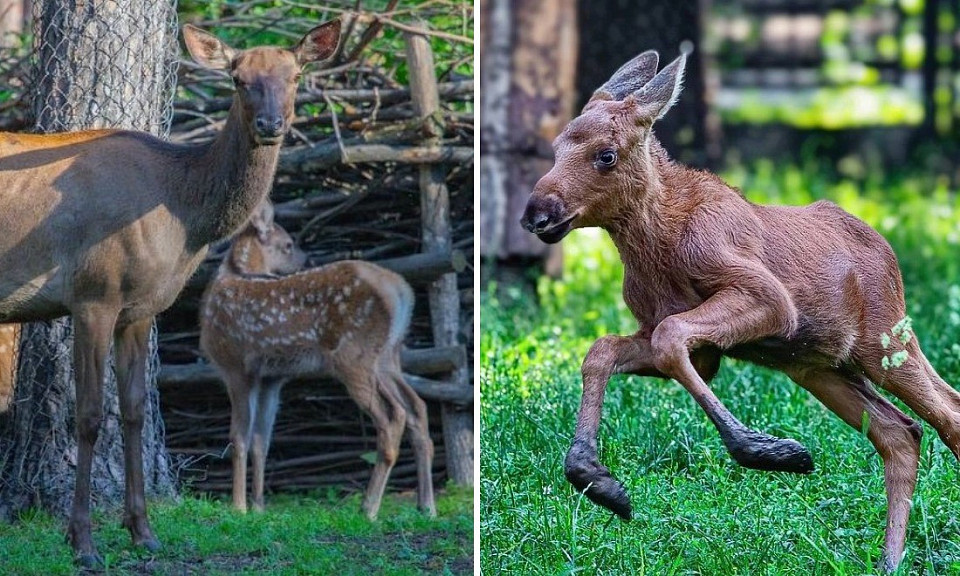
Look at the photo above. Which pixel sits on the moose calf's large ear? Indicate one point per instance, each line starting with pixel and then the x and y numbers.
pixel 319 43
pixel 658 95
pixel 206 49
pixel 629 78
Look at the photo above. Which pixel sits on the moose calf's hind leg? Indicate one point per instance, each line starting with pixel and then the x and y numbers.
pixel 895 436
pixel 919 386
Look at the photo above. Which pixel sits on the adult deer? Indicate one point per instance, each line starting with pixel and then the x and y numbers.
pixel 349 317
pixel 107 225
pixel 805 290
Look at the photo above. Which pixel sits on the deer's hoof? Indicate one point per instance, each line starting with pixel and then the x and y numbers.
pixel 91 561
pixel 587 475
pixel 152 545
pixel 764 452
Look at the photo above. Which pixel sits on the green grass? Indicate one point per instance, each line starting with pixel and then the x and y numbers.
pixel 295 535
pixel 695 511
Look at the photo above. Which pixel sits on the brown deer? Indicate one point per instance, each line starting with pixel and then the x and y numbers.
pixel 107 225
pixel 9 344
pixel 805 290
pixel 349 317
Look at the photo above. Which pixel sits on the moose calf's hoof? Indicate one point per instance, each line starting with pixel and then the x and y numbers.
pixel 585 473
pixel 764 452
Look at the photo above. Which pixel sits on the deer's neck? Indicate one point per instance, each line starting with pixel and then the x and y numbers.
pixel 227 180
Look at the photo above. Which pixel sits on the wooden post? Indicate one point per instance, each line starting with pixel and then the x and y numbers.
pixel 435 217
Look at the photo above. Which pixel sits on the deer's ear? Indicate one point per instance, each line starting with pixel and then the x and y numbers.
pixel 319 43
pixel 660 94
pixel 629 78
pixel 208 50
pixel 262 220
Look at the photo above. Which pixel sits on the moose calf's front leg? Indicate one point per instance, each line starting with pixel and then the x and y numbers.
pixel 608 355
pixel 729 318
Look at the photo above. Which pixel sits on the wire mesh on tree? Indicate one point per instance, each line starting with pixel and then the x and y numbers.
pixel 98 64
pixel 116 69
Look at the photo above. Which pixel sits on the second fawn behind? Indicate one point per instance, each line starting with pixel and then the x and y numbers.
pixel 348 318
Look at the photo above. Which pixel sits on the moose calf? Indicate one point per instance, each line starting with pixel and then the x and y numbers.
pixel 805 290
pixel 349 318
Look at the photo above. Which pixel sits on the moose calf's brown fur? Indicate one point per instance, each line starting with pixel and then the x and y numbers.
pixel 107 225
pixel 805 290
pixel 349 317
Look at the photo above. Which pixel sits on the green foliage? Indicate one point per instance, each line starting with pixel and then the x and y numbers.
pixel 296 535
pixel 696 512
pixel 832 108
pixel 280 22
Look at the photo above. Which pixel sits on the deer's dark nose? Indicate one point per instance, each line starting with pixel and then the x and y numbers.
pixel 269 125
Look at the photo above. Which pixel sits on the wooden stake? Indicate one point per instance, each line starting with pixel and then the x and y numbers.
pixel 435 219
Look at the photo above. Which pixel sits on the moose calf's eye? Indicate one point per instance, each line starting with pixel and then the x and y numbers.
pixel 606 158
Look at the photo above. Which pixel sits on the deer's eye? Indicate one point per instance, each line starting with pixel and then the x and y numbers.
pixel 606 159
pixel 288 247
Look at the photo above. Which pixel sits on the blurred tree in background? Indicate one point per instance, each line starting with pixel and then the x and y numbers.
pixel 614 31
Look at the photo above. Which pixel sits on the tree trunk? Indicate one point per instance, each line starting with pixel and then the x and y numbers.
pixel 100 64
pixel 615 31
pixel 929 68
pixel 528 66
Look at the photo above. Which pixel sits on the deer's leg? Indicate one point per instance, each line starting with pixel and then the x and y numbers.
pixel 131 348
pixel 921 388
pixel 92 328
pixel 611 355
pixel 242 393
pixel 267 406
pixel 419 429
pixel 725 319
pixel 389 418
pixel 895 436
